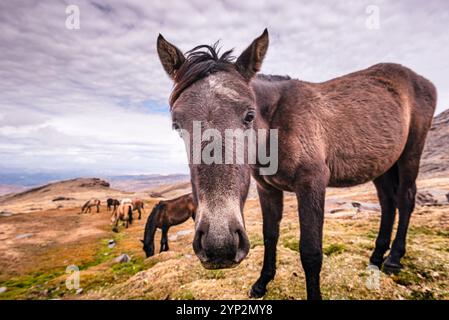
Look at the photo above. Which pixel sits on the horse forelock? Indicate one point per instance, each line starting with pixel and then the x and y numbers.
pixel 200 62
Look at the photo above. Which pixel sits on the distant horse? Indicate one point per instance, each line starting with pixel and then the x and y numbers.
pixel 112 204
pixel 370 125
pixel 89 204
pixel 123 213
pixel 139 206
pixel 164 215
pixel 126 200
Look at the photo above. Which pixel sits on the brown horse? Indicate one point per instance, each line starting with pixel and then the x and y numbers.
pixel 89 204
pixel 138 205
pixel 370 125
pixel 123 213
pixel 164 215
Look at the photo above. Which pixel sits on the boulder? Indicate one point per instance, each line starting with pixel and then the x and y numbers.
pixel 122 258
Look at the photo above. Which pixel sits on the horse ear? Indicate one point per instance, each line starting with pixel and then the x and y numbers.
pixel 171 57
pixel 250 61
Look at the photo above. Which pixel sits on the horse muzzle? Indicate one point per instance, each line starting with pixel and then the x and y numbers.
pixel 219 248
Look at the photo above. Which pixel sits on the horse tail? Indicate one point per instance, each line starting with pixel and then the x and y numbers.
pixel 130 214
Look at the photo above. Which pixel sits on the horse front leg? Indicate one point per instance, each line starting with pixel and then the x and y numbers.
pixel 271 201
pixel 164 239
pixel 311 196
pixel 115 223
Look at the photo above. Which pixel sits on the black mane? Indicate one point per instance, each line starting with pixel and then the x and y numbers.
pixel 272 77
pixel 200 62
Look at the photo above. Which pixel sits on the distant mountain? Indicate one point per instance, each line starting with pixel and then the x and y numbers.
pixel 59 188
pixel 13 182
pixel 137 183
pixel 435 160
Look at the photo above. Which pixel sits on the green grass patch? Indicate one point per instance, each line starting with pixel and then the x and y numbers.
pixel 19 287
pixel 334 248
pixel 184 295
pixel 129 268
pixel 213 274
pixel 291 243
pixel 256 240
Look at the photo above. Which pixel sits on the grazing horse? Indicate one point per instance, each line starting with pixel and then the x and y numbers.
pixel 369 125
pixel 112 204
pixel 138 205
pixel 164 215
pixel 123 213
pixel 89 204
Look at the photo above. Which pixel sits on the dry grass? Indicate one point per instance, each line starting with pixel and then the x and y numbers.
pixel 40 273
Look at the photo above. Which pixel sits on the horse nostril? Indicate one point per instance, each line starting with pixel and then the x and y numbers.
pixel 242 245
pixel 198 245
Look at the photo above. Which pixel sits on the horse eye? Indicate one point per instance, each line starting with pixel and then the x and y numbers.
pixel 249 116
pixel 176 126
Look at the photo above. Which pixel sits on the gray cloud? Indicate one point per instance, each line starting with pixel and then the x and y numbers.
pixel 95 98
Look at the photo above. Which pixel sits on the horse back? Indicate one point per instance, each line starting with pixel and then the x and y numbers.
pixel 358 124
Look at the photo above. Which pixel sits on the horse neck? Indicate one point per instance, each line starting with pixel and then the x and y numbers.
pixel 150 227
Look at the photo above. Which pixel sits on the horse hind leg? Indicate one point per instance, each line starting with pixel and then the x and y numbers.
pixel 408 167
pixel 386 186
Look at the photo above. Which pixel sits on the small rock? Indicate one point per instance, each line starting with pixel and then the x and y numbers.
pixel 3 289
pixel 156 195
pixel 356 204
pixel 183 232
pixel 111 244
pixel 79 291
pixel 122 258
pixel 337 210
pixel 62 199
pixel 6 213
pixel 425 198
pixel 173 237
pixel 24 236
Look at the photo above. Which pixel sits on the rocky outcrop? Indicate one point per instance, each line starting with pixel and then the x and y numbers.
pixel 435 159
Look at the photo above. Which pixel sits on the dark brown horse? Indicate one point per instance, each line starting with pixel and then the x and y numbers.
pixel 112 204
pixel 164 215
pixel 370 125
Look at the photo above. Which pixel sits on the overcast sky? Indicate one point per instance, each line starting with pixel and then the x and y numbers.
pixel 94 99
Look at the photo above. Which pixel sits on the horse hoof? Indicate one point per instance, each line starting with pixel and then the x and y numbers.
pixel 390 267
pixel 376 262
pixel 256 292
pixel 115 229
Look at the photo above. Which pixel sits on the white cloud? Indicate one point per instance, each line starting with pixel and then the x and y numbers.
pixel 95 98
